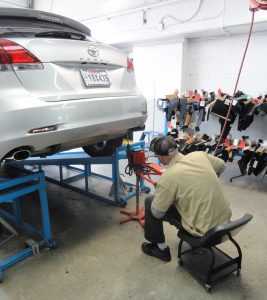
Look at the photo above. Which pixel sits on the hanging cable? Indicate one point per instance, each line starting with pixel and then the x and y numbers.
pixel 180 21
pixel 219 14
pixel 131 11
pixel 237 81
pixel 153 27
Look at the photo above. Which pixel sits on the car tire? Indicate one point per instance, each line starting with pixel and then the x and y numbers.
pixel 105 148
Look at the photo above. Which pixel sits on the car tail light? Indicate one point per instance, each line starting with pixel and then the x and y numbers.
pixel 130 65
pixel 14 54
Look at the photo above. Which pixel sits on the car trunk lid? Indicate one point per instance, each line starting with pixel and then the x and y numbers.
pixel 75 69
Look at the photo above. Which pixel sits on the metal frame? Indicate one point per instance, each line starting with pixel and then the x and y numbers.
pixel 245 174
pixel 139 214
pixel 12 191
pixel 212 270
pixel 264 172
pixel 74 160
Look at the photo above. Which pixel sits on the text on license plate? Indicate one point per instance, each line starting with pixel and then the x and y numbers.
pixel 95 78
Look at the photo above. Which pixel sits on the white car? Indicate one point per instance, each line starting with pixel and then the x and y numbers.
pixel 60 89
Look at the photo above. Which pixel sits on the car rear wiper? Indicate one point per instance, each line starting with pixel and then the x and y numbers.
pixel 61 34
pixel 7 32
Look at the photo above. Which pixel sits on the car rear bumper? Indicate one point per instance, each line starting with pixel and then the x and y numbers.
pixel 77 122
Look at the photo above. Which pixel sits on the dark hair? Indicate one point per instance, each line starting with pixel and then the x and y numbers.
pixel 163 145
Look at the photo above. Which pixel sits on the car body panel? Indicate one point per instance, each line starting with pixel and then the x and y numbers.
pixel 67 50
pixel 61 79
pixel 55 94
pixel 79 122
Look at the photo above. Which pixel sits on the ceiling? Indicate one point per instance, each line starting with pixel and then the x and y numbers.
pixel 137 21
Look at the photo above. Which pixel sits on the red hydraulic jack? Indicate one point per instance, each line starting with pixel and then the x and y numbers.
pixel 139 214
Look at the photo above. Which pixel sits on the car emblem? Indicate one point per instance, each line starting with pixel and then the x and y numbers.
pixel 93 51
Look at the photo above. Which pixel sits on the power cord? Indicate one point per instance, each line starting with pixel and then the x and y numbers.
pixel 237 81
pixel 180 21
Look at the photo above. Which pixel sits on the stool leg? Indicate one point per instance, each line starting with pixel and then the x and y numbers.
pixel 180 248
pixel 180 262
pixel 211 266
pixel 239 252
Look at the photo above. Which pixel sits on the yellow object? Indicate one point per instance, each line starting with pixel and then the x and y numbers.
pixel 192 185
pixel 171 97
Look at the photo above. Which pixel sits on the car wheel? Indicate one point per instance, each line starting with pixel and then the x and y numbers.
pixel 105 148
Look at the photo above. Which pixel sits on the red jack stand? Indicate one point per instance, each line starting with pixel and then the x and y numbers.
pixel 139 214
pixel 146 170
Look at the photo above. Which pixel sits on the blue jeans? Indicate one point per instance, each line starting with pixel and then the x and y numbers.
pixel 154 227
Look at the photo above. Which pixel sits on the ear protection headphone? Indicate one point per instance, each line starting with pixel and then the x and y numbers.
pixel 163 145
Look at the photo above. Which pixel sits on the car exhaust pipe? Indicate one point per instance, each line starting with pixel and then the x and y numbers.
pixel 19 155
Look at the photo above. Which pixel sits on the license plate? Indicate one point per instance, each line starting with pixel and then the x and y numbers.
pixel 95 78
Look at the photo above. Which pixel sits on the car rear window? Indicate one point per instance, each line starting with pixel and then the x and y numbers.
pixel 8 24
pixel 34 21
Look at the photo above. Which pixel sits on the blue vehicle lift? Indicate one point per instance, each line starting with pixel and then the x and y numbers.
pixel 12 192
pixel 80 165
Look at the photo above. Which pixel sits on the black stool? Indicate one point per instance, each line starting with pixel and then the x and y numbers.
pixel 204 260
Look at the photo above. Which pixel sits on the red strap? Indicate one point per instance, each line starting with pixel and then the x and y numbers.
pixel 241 144
pixel 155 168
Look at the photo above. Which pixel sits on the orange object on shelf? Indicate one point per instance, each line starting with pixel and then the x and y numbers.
pixel 241 144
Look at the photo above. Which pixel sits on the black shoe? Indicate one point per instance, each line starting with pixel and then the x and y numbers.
pixel 197 129
pixel 242 167
pixel 250 169
pixel 153 250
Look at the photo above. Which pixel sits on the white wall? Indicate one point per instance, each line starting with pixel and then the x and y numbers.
pixel 158 73
pixel 214 63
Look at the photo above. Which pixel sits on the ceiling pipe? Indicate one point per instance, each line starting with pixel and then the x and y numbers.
pixel 130 11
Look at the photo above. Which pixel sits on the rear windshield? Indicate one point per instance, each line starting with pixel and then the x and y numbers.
pixel 32 27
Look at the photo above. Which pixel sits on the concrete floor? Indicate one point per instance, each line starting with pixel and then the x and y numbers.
pixel 99 259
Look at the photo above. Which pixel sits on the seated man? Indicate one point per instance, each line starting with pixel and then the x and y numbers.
pixel 188 194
